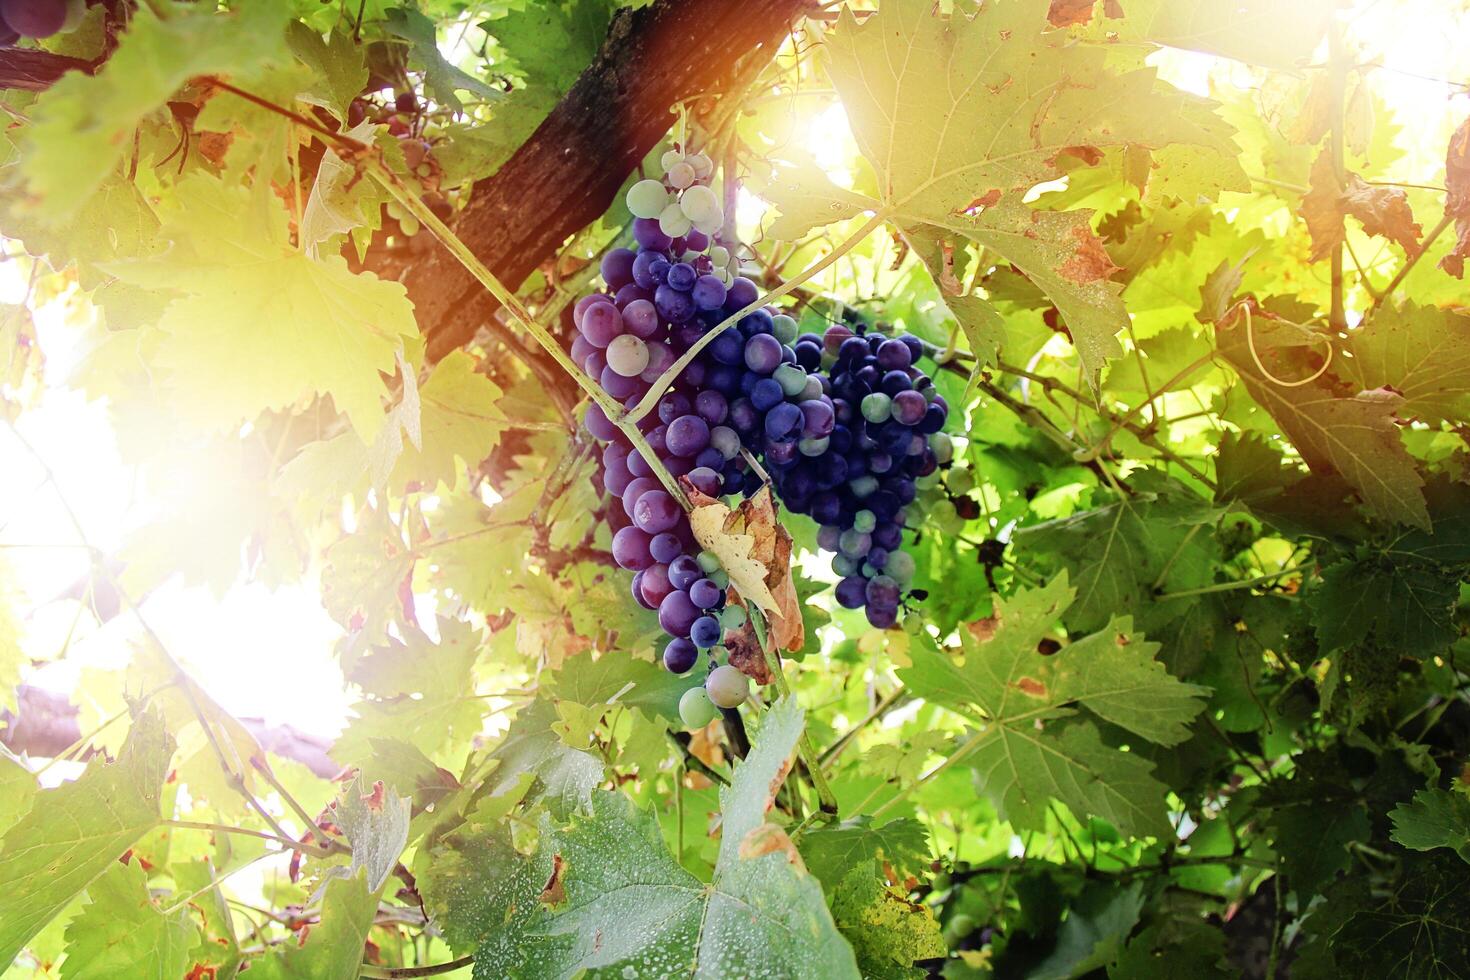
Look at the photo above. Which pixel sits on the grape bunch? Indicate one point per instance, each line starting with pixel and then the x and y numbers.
pixel 38 18
pixel 887 434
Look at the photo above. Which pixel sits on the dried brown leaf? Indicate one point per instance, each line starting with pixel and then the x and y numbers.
pixel 1322 208
pixel 1070 13
pixel 1090 261
pixel 1384 211
pixel 1457 201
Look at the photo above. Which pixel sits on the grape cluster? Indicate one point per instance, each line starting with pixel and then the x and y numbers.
pixel 38 18
pixel 843 422
pixel 887 433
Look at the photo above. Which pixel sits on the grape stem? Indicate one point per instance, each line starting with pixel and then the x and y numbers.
pixel 434 969
pixel 518 312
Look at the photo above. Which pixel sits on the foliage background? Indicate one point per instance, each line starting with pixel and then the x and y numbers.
pixel 1183 700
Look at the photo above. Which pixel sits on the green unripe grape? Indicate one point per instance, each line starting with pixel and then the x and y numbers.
pixel 900 567
pixel 719 256
pixel 945 518
pixel 941 443
pixel 784 327
pixel 926 482
pixel 696 709
pixel 814 447
pixel 791 378
pixel 733 617
pixel 720 577
pixel 727 687
pixel 712 224
pixel 877 407
pixel 669 159
pixel 960 481
pixel 709 562
pixel 647 198
pixel 409 225
pixel 959 927
pixel 700 203
pixel 913 624
pixel 844 566
pixel 868 571
pixel 681 175
pixel 673 222
pixel 863 486
pixel 702 164
pixel 813 389
pixel 864 520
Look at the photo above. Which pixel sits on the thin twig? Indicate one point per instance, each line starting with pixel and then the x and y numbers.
pixel 395 972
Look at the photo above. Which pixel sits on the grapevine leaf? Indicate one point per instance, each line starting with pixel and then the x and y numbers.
pixel 1405 604
pixel 888 932
pixel 460 423
pixel 311 327
pixel 336 62
pixel 1093 933
pixel 1457 201
pixel 1261 32
pixel 17 789
pixel 121 931
pixel 831 852
pixel 1021 759
pixel 334 947
pixel 1421 353
pixel 1354 436
pixel 217 947
pixel 76 831
pixel 482 894
pixel 375 820
pixel 743 804
pixel 1250 469
pixel 82 126
pixel 1435 818
pixel 714 527
pixel 1383 211
pixel 1313 842
pixel 565 777
pixel 441 78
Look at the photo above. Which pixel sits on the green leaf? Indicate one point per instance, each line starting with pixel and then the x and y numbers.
pixel 1421 353
pixel 1404 604
pixel 1116 554
pixel 223 359
pixel 1016 98
pixel 442 79
pixel 1093 933
pixel 334 947
pixel 1250 469
pixel 1024 754
pixel 460 424
pixel 565 777
pixel 82 126
pixel 743 804
pixel 1313 842
pixel 484 895
pixel 121 932
pixel 375 820
pixel 1435 818
pixel 76 831
pixel 1261 32
pixel 17 789
pixel 1356 436
pixel 831 852
pixel 336 61
pixel 887 931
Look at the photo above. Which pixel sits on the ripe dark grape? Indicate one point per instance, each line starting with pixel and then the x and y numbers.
pixel 680 655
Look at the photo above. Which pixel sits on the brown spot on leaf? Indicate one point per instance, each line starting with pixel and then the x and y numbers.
pixel 1031 686
pixel 745 653
pixel 770 839
pixel 374 798
pixel 554 891
pixel 983 630
pixel 1090 261
pixel 986 200
pixel 1090 155
pixel 1047 647
pixel 1070 13
pixel 1122 639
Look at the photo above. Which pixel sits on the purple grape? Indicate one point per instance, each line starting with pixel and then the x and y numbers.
pixel 742 293
pixel 934 418
pixel 888 536
pixel 894 355
pixel 915 346
pixel 682 277
pixel 640 318
pixel 601 323
pixel 655 512
pixel 705 631
pixel 637 465
pixel 782 421
pixel 674 306
pixel 834 336
pixel 881 618
pixel 678 465
pixel 643 268
pixel 882 592
pixel 618 386
pixel 743 415
pixel 695 240
pixel 680 655
pixel 637 487
pixel 665 547
pixel 728 347
pixel 780 454
pixel 648 235
pixel 673 405
pixel 677 613
pixel 688 434
pixel 630 549
pixel 818 419
pixel 851 592
pixel 708 293
pixel 660 268
pixel 660 359
pixel 895 381
pixel 600 425
pixel 763 354
pixel 705 480
pixel 909 407
pixel 684 571
pixel 33 18
pixel 854 543
pixel 616 477
pixel 808 355
pixel 706 594
pixel 766 394
pixel 581 347
pixel 655 585
pixel 853 350
pixel 586 303
pixel 712 406
pixel 637 588
pixel 617 267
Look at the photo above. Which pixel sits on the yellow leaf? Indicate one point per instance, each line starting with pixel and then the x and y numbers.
pixel 711 523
